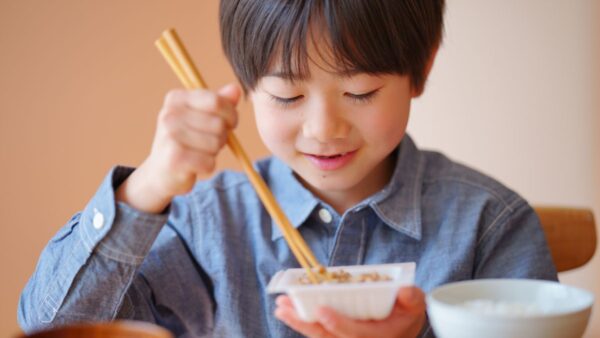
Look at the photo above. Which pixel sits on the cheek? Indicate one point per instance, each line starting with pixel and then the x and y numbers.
pixel 388 128
pixel 275 130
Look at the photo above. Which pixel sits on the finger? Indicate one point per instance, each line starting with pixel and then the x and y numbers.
pixel 410 299
pixel 342 326
pixel 212 103
pixel 284 300
pixel 177 130
pixel 408 314
pixel 290 318
pixel 395 325
pixel 187 104
pixel 231 92
pixel 175 97
pixel 186 160
pixel 204 122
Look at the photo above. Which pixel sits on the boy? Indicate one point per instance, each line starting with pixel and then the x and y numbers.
pixel 331 85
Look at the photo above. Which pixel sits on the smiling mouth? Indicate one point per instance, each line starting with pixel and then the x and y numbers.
pixel 331 156
pixel 331 162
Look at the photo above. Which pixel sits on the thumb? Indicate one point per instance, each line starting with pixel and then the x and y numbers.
pixel 231 92
pixel 411 299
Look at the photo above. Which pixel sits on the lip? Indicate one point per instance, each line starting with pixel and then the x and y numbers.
pixel 331 163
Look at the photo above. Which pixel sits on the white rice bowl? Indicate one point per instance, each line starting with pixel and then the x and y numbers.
pixel 500 308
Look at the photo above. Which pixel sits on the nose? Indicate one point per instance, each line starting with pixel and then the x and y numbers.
pixel 324 122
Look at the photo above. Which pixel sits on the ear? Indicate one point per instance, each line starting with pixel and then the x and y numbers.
pixel 416 92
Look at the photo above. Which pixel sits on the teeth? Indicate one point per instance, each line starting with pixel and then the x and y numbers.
pixel 332 156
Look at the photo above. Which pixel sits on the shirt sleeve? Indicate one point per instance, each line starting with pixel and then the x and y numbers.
pixel 84 272
pixel 513 245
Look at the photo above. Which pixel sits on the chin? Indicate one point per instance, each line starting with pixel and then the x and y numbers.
pixel 330 181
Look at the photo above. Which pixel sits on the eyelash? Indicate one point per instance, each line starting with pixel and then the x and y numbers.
pixel 358 98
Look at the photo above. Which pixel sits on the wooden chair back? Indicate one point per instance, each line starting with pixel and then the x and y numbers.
pixel 116 329
pixel 571 235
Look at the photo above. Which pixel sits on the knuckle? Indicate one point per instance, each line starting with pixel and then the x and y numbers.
pixel 213 144
pixel 168 116
pixel 210 101
pixel 234 118
pixel 174 96
pixel 170 126
pixel 167 119
pixel 219 125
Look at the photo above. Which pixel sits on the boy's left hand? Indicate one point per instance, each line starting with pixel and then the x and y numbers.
pixel 406 319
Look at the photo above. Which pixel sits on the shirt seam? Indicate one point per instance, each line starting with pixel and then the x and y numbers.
pixel 107 251
pixel 417 193
pixel 135 214
pixel 338 236
pixel 493 226
pixel 496 194
pixel 361 251
pixel 117 255
pixel 403 229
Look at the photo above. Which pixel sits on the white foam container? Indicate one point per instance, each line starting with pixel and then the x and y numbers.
pixel 367 300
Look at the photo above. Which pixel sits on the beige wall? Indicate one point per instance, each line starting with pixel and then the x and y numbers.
pixel 515 93
pixel 81 84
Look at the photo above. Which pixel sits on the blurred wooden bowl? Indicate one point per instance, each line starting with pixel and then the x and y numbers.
pixel 116 329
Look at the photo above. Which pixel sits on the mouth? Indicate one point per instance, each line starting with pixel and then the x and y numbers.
pixel 331 161
pixel 329 156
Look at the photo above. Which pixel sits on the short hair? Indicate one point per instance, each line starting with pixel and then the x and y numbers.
pixel 371 36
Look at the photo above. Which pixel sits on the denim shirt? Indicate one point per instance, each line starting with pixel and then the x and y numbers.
pixel 200 269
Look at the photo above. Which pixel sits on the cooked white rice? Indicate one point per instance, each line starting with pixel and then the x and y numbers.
pixel 510 308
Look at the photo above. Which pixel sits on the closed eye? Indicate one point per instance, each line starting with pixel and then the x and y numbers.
pixel 359 98
pixel 363 98
pixel 284 101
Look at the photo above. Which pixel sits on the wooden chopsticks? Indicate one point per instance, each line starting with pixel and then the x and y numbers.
pixel 178 58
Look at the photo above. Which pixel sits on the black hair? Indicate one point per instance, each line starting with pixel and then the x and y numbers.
pixel 372 36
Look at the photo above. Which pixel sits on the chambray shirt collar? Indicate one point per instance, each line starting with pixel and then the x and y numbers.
pixel 296 201
pixel 398 204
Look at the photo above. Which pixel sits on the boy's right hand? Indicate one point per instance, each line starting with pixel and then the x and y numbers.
pixel 191 130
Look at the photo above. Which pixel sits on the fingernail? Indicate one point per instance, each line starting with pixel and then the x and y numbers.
pixel 410 296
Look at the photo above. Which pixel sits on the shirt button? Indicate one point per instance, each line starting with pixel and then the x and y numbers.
pixel 98 220
pixel 325 215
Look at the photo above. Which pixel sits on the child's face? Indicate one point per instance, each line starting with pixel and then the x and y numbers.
pixel 359 119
